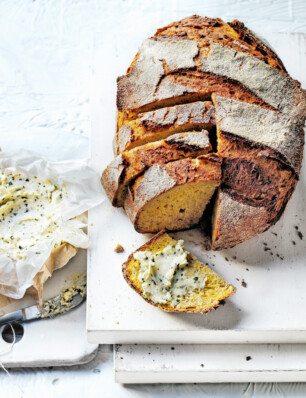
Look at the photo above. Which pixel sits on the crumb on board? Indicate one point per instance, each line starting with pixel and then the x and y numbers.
pixel 248 358
pixel 243 283
pixel 119 248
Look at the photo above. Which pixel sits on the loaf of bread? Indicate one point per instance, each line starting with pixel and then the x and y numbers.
pixel 191 287
pixel 203 73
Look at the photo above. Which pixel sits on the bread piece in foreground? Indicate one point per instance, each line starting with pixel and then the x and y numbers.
pixel 173 196
pixel 129 165
pixel 170 278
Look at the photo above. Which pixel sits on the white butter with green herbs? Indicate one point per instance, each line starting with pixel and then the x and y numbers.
pixel 40 205
pixel 30 213
pixel 163 275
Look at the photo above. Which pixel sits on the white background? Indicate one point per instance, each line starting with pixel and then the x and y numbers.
pixel 46 57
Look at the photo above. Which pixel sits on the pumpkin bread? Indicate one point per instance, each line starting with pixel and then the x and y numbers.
pixel 196 300
pixel 203 73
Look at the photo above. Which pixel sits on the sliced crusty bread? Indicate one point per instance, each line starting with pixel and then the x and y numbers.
pixel 159 124
pixel 173 196
pixel 127 166
pixel 259 116
pixel 203 300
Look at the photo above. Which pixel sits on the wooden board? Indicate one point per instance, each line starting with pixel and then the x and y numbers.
pixel 271 308
pixel 210 363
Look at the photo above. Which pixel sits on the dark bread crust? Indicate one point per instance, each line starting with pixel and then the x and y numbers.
pixel 247 36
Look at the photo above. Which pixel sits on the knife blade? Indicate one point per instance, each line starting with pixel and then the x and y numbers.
pixel 69 298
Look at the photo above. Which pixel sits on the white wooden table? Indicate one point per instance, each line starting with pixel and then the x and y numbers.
pixel 45 62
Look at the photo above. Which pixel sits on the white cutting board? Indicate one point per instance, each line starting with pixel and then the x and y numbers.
pixel 58 341
pixel 271 308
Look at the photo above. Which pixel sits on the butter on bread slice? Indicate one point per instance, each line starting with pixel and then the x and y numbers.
pixel 202 300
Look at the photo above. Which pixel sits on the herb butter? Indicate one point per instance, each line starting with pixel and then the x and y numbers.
pixel 31 216
pixel 166 277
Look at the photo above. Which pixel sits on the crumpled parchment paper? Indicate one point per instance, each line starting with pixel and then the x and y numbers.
pixel 84 192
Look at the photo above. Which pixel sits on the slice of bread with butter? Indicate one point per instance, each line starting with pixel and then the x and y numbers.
pixel 170 278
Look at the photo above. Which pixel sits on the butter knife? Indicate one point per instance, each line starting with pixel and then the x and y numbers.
pixel 69 298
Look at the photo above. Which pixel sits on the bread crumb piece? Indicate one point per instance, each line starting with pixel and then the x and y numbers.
pixel 243 283
pixel 119 248
pixel 248 358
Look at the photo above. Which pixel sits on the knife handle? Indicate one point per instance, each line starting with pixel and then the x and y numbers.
pixel 16 316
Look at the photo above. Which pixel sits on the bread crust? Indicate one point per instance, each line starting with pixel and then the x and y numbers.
pixel 237 221
pixel 264 127
pixel 233 34
pixel 127 166
pixel 196 35
pixel 266 82
pixel 254 174
pixel 126 275
pixel 150 126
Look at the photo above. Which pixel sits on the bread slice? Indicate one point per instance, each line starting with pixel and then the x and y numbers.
pixel 127 166
pixel 160 124
pixel 173 196
pixel 197 300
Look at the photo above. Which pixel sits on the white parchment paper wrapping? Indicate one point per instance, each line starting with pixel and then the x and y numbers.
pixel 84 192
